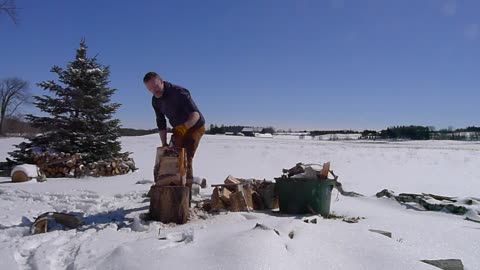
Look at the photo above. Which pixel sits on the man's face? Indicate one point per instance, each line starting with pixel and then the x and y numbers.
pixel 155 86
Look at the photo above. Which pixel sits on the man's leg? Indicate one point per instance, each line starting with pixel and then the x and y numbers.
pixel 190 143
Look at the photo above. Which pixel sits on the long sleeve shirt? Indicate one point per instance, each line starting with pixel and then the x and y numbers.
pixel 176 104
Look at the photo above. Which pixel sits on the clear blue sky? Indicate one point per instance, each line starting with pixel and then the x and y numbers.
pixel 290 64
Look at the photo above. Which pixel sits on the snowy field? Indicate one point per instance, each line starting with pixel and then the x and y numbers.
pixel 114 237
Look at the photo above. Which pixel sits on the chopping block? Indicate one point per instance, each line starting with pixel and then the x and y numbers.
pixel 170 195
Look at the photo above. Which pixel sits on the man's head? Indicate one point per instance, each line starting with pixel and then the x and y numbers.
pixel 154 83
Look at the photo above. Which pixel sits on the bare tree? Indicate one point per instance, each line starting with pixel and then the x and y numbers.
pixel 13 93
pixel 17 125
pixel 10 8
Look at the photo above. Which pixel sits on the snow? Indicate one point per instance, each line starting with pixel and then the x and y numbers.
pixel 263 135
pixel 93 70
pixel 115 236
pixel 29 170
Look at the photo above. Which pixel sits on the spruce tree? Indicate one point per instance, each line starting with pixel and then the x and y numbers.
pixel 79 112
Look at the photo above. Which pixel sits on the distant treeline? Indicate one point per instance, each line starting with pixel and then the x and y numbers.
pixel 214 129
pixel 16 126
pixel 395 132
pixel 137 132
pixel 222 129
pixel 406 132
pixel 468 129
pixel 423 133
pixel 326 132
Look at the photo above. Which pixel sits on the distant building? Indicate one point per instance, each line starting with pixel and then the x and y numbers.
pixel 248 131
pixel 371 136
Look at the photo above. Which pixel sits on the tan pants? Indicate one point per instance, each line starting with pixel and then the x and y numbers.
pixel 190 143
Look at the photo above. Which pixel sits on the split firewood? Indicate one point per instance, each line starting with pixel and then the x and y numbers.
pixel 268 194
pixel 231 180
pixel 68 165
pixel 297 169
pixel 225 196
pixel 247 192
pixel 256 194
pixel 170 166
pixel 325 170
pixel 238 202
pixel 216 202
pixel 257 201
pixel 230 187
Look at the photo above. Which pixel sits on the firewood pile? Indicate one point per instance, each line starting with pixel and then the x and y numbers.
pixel 121 164
pixel 237 195
pixel 307 171
pixel 72 165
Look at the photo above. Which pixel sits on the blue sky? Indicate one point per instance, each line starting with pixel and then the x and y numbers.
pixel 289 64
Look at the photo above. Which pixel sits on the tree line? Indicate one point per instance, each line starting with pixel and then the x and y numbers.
pixel 423 133
pixel 326 132
pixel 236 129
pixel 137 132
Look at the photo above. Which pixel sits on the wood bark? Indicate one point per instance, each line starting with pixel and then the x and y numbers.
pixel 169 204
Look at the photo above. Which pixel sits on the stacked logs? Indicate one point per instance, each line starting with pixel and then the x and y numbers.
pixel 73 165
pixel 111 167
pixel 239 195
pixel 58 164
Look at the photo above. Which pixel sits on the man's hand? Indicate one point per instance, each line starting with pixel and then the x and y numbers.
pixel 179 132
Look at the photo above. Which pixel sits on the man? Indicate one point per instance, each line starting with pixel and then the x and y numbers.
pixel 175 103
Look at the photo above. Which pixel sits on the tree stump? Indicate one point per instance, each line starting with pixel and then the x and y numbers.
pixel 169 204
pixel 19 176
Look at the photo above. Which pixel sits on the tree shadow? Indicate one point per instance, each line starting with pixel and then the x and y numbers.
pixel 118 216
pixel 413 207
pixel 6 181
pixel 95 221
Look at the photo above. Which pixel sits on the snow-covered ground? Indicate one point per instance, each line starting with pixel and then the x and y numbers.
pixel 114 237
pixel 326 137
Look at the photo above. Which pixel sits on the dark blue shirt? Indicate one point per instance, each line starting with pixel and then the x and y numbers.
pixel 176 104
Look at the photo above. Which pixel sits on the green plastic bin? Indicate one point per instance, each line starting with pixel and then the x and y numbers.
pixel 299 195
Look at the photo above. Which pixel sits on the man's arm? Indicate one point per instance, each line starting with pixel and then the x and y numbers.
pixel 161 123
pixel 194 115
pixel 192 119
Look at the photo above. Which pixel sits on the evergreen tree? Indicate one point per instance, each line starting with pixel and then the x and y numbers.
pixel 79 112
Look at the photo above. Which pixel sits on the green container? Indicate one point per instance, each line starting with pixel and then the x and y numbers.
pixel 302 195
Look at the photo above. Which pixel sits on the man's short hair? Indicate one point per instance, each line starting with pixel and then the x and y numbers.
pixel 150 75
